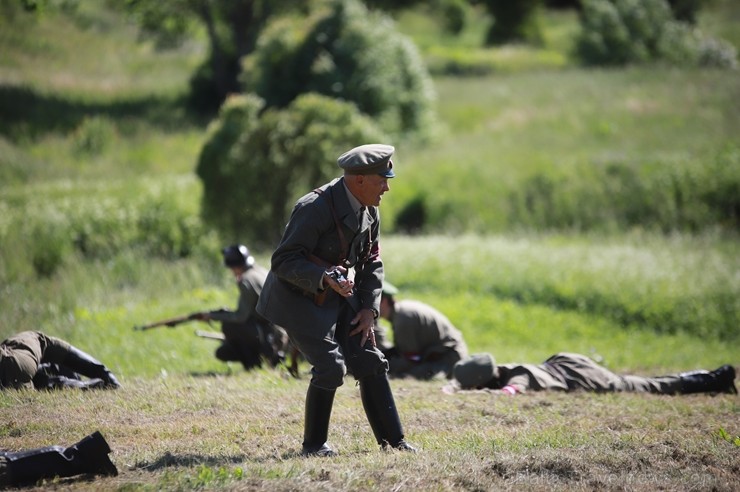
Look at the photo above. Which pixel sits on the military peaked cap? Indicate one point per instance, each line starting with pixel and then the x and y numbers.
pixel 368 159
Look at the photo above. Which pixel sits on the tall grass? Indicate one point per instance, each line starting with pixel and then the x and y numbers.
pixel 579 150
pixel 671 285
pixel 641 303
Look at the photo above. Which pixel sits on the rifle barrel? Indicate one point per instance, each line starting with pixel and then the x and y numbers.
pixel 165 322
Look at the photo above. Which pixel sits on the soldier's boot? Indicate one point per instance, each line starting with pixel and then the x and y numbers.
pixel 89 456
pixel 87 365
pixel 721 380
pixel 319 403
pixel 380 408
pixel 63 382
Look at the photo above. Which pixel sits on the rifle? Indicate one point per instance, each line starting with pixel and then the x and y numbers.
pixel 171 322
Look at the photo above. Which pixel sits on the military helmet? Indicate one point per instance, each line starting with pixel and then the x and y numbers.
pixel 237 255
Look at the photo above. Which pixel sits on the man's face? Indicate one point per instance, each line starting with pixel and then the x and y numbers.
pixel 370 188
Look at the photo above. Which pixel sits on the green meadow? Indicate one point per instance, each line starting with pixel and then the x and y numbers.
pixel 566 209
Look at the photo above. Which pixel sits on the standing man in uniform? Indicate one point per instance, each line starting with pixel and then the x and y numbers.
pixel 324 289
pixel 425 342
pixel 570 372
pixel 32 359
pixel 248 337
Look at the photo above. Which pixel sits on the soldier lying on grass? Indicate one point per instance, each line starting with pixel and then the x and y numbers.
pixel 571 372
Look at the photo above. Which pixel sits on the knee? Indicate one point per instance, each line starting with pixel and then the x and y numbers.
pixel 370 366
pixel 330 377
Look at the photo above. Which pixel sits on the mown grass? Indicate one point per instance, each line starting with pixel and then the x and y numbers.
pixel 243 431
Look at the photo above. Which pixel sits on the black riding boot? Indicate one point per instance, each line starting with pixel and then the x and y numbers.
pixel 721 380
pixel 90 455
pixel 85 364
pixel 319 402
pixel 380 408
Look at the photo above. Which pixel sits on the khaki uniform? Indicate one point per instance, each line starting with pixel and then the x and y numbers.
pixel 568 371
pixel 425 342
pixel 249 336
pixel 23 353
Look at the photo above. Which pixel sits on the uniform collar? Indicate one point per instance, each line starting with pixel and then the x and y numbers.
pixel 353 201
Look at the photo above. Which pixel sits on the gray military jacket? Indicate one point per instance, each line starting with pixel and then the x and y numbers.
pixel 294 277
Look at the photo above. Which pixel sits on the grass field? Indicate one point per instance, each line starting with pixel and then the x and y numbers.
pixel 243 432
pixel 98 196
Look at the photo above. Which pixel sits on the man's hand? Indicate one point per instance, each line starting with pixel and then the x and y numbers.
pixel 364 322
pixel 337 280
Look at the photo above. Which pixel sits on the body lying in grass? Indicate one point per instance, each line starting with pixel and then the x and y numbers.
pixel 573 372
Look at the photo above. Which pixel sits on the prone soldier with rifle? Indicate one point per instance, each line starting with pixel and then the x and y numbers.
pixel 245 336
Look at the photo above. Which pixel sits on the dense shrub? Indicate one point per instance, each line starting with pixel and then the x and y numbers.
pixel 347 53
pixel 454 13
pixel 254 167
pixel 217 168
pixel 517 21
pixel 93 135
pixel 620 32
pixel 687 10
pixel 412 218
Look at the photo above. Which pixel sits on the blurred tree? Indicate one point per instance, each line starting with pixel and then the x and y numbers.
pixel 513 21
pixel 687 10
pixel 620 32
pixel 349 53
pixel 313 88
pixel 232 28
pixel 451 12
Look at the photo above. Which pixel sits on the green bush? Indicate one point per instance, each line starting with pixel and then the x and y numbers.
pixel 454 13
pixel 254 167
pixel 93 135
pixel 617 32
pixel 517 21
pixel 219 169
pixel 412 218
pixel 620 32
pixel 687 10
pixel 347 53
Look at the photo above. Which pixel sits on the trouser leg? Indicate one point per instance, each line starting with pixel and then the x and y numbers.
pixel 721 380
pixel 319 402
pixel 242 343
pixel 230 352
pixel 380 408
pixel 90 455
pixel 85 364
